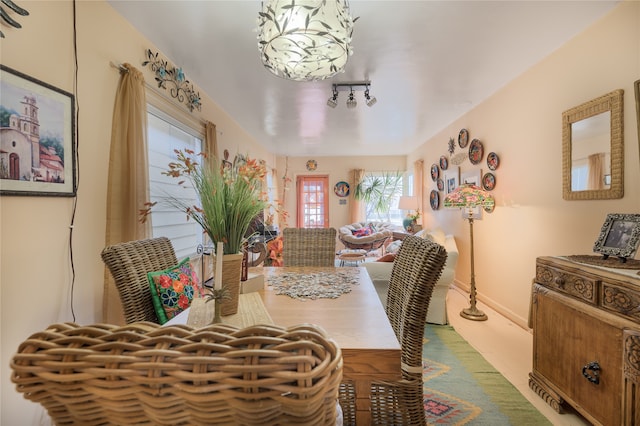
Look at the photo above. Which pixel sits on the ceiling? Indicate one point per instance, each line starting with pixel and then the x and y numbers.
pixel 429 63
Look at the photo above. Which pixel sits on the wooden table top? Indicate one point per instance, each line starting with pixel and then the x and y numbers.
pixel 355 320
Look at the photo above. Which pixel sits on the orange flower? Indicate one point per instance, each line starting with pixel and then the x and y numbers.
pixel 275 248
pixel 178 286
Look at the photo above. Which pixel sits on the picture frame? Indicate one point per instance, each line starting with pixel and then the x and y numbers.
pixel 451 179
pixel 619 236
pixel 36 114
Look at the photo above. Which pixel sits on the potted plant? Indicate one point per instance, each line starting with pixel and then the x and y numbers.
pixel 230 198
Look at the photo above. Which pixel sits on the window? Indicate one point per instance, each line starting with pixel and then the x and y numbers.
pixel 165 134
pixel 381 192
pixel 579 175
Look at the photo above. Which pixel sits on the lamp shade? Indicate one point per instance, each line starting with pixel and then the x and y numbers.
pixel 468 196
pixel 408 202
pixel 305 40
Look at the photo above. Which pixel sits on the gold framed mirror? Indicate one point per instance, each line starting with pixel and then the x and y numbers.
pixel 593 149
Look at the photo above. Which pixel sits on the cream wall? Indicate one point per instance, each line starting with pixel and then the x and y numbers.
pixel 36 277
pixel 338 169
pixel 522 124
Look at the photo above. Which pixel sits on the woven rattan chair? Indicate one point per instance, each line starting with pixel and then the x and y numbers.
pixel 129 263
pixel 144 373
pixel 309 246
pixel 416 270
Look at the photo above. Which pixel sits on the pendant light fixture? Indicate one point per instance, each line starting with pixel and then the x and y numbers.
pixel 305 40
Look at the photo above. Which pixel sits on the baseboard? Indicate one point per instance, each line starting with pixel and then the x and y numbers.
pixel 507 313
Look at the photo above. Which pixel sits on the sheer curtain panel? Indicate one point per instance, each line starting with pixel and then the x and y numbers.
pixel 127 187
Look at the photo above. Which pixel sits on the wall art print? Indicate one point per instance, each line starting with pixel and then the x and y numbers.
pixel 37 137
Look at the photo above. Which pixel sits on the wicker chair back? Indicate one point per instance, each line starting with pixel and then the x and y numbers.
pixel 309 246
pixel 129 263
pixel 144 373
pixel 416 269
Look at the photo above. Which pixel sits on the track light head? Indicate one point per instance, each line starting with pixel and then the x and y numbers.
pixel 370 100
pixel 333 100
pixel 351 102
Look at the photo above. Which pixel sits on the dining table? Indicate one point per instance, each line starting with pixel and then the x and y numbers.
pixel 341 300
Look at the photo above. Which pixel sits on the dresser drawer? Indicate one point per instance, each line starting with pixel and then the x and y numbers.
pixel 620 300
pixel 568 282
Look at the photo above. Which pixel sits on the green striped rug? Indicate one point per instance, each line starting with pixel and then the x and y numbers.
pixel 462 388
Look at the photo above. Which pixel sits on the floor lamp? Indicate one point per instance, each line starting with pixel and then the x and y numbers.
pixel 468 197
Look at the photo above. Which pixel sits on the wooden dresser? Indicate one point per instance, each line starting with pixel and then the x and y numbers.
pixel 586 340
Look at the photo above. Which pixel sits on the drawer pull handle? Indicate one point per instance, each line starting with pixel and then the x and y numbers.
pixel 559 281
pixel 591 372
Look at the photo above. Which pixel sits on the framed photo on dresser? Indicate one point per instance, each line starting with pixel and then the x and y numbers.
pixel 619 235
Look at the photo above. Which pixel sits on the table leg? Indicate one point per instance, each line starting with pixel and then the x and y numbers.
pixel 363 403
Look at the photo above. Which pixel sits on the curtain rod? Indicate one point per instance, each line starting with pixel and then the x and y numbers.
pixel 118 67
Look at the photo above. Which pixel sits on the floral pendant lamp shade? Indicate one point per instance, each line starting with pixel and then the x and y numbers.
pixel 305 40
pixel 469 196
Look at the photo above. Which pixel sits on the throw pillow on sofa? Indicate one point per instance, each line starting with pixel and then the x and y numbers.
pixel 394 246
pixel 436 235
pixel 389 257
pixel 362 232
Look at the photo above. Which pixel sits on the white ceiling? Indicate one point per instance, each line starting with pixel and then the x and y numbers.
pixel 429 63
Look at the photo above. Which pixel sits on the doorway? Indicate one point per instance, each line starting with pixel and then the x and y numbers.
pixel 313 201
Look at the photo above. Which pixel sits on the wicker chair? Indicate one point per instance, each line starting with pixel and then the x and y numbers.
pixel 309 246
pixel 416 270
pixel 129 263
pixel 144 373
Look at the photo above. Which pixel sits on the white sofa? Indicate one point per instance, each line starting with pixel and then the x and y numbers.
pixel 380 273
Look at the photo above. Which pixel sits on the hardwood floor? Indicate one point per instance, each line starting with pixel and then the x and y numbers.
pixel 508 347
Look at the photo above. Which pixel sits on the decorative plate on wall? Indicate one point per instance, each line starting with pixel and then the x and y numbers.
pixel 435 172
pixel 440 184
pixel 444 162
pixel 341 189
pixel 488 181
pixel 434 200
pixel 493 161
pixel 312 165
pixel 463 138
pixel 476 152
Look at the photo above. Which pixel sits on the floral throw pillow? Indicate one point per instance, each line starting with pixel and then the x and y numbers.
pixel 362 232
pixel 172 289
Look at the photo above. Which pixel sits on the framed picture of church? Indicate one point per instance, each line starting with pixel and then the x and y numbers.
pixel 37 137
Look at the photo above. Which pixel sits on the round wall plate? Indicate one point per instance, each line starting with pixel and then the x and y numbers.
pixel 493 161
pixel 341 189
pixel 312 165
pixel 463 138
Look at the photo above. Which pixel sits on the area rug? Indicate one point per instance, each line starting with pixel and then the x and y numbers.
pixel 462 388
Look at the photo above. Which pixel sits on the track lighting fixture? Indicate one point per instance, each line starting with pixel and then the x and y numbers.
pixel 333 100
pixel 351 87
